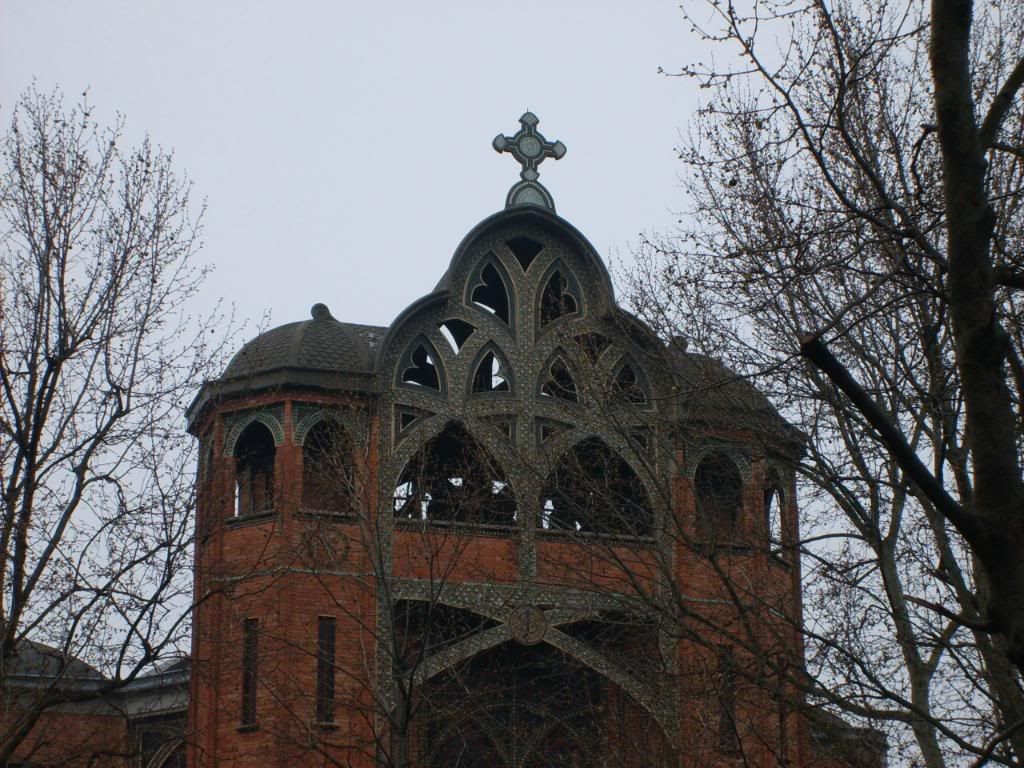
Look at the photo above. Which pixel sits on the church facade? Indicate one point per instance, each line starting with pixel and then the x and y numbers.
pixel 514 528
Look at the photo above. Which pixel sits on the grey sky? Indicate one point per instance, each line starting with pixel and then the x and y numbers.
pixel 344 148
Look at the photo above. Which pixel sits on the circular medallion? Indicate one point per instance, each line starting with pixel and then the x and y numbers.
pixel 529 146
pixel 527 624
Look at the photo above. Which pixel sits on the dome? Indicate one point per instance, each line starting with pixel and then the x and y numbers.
pixel 319 344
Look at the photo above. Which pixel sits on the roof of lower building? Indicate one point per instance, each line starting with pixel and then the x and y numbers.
pixel 319 344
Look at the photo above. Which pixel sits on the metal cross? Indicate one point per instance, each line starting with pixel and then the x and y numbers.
pixel 529 147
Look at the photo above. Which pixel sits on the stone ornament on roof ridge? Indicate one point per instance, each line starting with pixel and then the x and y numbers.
pixel 529 148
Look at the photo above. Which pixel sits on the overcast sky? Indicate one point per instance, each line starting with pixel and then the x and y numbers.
pixel 344 148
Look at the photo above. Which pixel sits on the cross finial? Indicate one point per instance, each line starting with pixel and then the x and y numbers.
pixel 529 147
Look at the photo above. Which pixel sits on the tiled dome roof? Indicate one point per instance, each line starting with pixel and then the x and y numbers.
pixel 319 344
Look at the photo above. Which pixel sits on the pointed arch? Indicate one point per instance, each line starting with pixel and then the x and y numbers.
pixel 560 295
pixel 629 384
pixel 593 489
pixel 774 504
pixel 558 380
pixel 491 372
pixel 490 290
pixel 454 478
pixel 420 367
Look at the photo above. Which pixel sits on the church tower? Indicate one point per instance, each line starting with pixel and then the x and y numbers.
pixel 514 528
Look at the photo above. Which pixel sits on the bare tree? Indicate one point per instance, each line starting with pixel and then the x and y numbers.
pixel 97 355
pixel 853 197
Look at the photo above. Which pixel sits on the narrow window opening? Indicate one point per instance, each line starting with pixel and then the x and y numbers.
pixel 423 371
pixel 254 471
pixel 525 250
pixel 453 478
pixel 560 383
pixel 405 419
pixel 556 301
pixel 719 487
pixel 594 490
pixel 456 332
pixel 627 386
pixel 325 669
pixel 773 504
pixel 491 294
pixel 490 376
pixel 250 659
pixel 327 471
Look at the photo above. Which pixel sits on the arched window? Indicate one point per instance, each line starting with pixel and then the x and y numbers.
pixel 774 501
pixel 719 487
pixel 422 369
pixel 492 374
pixel 453 478
pixel 559 382
pixel 594 490
pixel 491 294
pixel 254 471
pixel 627 386
pixel 327 472
pixel 558 299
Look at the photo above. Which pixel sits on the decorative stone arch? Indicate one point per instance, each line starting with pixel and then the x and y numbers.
pixel 483 286
pixel 551 302
pixel 647 695
pixel 491 347
pixel 306 416
pixel 419 355
pixel 565 492
pixel 622 391
pixel 738 456
pixel 544 392
pixel 485 493
pixel 235 425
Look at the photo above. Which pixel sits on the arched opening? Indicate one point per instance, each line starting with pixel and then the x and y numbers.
pixel 627 386
pixel 254 471
pixel 719 488
pixel 421 369
pixel 491 294
pixel 774 502
pixel 518 706
pixel 557 299
pixel 453 478
pixel 560 383
pixel 327 472
pixel 492 374
pixel 594 490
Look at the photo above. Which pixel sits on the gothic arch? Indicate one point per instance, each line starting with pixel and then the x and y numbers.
pixel 647 695
pixel 594 489
pixel 421 369
pixel 490 290
pixel 629 383
pixel 482 382
pixel 453 477
pixel 559 296
pixel 559 380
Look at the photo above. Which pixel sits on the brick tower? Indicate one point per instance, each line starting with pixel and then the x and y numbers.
pixel 514 528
